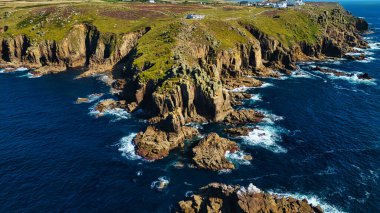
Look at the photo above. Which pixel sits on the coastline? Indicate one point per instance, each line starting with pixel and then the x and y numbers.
pixel 172 123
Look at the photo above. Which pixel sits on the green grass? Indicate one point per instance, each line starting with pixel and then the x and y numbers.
pixel 223 28
pixel 154 50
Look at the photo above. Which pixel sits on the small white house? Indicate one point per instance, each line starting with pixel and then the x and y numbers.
pixel 295 2
pixel 152 1
pixel 195 16
pixel 282 4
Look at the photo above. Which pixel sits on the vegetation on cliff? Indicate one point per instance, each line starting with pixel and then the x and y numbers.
pixel 177 70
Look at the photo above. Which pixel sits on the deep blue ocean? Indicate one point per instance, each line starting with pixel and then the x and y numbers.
pixel 321 142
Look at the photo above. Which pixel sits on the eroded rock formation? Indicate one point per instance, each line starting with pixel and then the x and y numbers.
pixel 217 197
pixel 210 153
pixel 191 81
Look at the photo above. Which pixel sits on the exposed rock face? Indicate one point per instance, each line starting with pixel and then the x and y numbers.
pixel 244 116
pixel 155 144
pixel 109 104
pixel 217 197
pixel 238 131
pixel 193 85
pixel 210 153
pixel 84 46
pixel 234 83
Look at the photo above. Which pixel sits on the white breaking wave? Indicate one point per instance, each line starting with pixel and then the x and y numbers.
pixel 10 70
pixel 237 157
pixel 374 46
pixel 264 85
pixel 265 136
pixel 90 98
pixel 313 200
pixel 127 148
pixel 354 79
pixel 270 117
pixel 255 98
pixel 94 97
pixel 241 89
pixel 29 75
pixel 116 113
pixel 160 184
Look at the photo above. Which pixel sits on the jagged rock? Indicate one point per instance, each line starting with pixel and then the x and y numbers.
pixel 238 131
pixel 361 25
pixel 355 57
pixel 109 104
pixel 244 116
pixel 153 143
pixel 233 83
pixel 238 97
pixel 210 152
pixel 82 100
pixel 217 197
pixel 364 76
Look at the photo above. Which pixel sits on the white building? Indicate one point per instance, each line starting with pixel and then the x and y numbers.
pixel 152 1
pixel 195 16
pixel 282 4
pixel 295 2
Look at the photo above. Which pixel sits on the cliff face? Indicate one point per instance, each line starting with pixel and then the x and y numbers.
pixel 178 73
pixel 83 47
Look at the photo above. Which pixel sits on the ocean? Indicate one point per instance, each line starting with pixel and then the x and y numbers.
pixel 321 141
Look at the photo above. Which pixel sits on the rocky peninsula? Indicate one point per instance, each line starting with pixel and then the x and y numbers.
pixel 179 71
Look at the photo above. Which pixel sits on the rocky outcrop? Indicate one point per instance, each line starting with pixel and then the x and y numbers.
pixel 154 143
pixel 195 79
pixel 244 116
pixel 235 83
pixel 210 153
pixel 217 197
pixel 238 131
pixel 109 104
pixel 362 76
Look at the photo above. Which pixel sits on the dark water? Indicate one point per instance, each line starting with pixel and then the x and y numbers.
pixel 323 144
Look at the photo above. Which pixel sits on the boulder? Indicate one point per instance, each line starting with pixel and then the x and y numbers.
pixel 210 153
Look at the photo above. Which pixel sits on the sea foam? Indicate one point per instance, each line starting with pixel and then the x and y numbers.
pixel 116 113
pixel 265 136
pixel 237 157
pixel 127 148
pixel 313 200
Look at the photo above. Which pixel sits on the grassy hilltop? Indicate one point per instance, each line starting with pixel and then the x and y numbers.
pixel 222 27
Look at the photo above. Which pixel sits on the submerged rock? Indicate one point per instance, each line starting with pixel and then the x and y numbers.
pixel 210 153
pixel 363 76
pixel 217 197
pixel 355 57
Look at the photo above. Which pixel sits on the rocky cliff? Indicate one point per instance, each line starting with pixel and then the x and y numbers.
pixel 183 71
